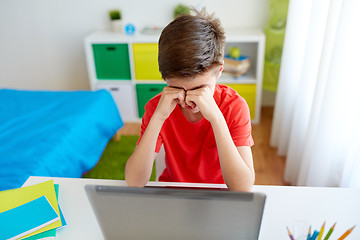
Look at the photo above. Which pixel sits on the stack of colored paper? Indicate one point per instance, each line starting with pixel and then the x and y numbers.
pixel 30 212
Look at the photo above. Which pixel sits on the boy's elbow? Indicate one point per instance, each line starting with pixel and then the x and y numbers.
pixel 133 179
pixel 247 188
pixel 134 183
pixel 241 186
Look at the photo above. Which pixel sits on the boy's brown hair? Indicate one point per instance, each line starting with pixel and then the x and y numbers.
pixel 191 45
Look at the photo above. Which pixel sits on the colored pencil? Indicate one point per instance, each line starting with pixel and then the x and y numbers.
pixel 290 235
pixel 315 234
pixel 321 231
pixel 346 233
pixel 329 232
pixel 309 234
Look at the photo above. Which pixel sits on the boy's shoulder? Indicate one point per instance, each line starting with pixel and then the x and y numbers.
pixel 224 89
pixel 230 103
pixel 153 102
pixel 226 94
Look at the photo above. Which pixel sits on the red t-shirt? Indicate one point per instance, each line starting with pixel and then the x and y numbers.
pixel 190 148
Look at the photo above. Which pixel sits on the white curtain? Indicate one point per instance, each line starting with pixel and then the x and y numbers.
pixel 317 110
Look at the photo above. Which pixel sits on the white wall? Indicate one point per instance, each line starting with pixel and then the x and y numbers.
pixel 41 41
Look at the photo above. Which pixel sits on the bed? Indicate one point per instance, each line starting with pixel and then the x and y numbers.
pixel 53 133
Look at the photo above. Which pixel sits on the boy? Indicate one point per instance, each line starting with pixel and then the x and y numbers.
pixel 205 128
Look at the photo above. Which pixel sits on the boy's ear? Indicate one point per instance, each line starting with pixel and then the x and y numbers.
pixel 220 70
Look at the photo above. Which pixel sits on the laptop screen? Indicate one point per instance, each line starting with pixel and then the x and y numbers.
pixel 160 213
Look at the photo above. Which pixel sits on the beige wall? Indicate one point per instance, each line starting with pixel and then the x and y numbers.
pixel 41 41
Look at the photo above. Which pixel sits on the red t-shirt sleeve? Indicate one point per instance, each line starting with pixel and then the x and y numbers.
pixel 237 115
pixel 149 111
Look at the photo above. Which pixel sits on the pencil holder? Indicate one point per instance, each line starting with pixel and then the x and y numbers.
pixel 299 230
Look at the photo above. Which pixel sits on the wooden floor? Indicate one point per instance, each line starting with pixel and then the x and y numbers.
pixel 269 167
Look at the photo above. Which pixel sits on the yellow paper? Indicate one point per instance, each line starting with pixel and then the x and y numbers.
pixel 15 197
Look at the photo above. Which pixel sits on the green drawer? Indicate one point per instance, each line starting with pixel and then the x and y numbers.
pixel 112 61
pixel 144 92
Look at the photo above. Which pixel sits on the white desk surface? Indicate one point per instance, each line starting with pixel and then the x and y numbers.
pixel 284 206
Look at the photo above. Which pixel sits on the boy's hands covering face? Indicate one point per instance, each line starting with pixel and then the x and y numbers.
pixel 204 100
pixel 201 98
pixel 170 97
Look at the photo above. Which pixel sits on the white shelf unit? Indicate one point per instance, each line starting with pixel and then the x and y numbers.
pixel 124 91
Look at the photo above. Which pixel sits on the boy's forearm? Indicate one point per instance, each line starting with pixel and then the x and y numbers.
pixel 139 166
pixel 236 173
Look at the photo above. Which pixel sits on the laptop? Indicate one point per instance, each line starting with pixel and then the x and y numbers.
pixel 168 213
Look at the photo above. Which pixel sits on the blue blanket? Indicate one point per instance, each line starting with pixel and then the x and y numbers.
pixel 56 134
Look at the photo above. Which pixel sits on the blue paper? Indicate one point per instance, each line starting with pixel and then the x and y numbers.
pixel 63 221
pixel 51 232
pixel 27 218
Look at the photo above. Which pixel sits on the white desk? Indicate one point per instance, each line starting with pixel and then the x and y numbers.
pixel 284 206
